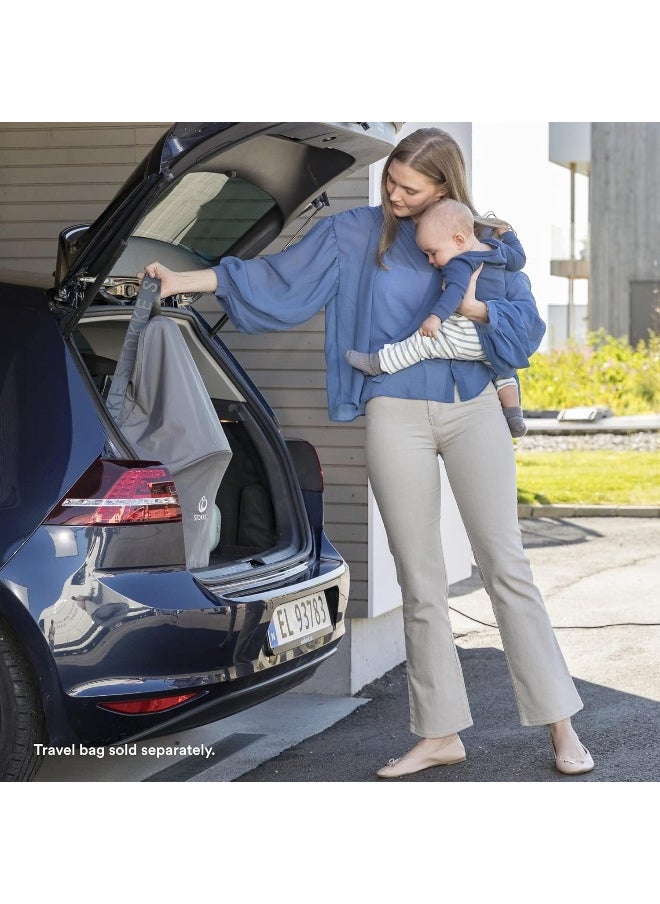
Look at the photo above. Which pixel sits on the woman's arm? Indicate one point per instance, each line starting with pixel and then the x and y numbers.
pixel 511 328
pixel 273 292
pixel 515 329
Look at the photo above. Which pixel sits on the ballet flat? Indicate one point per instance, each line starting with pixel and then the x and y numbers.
pixel 573 767
pixel 451 753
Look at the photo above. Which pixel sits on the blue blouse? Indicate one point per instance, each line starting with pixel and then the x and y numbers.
pixel 334 267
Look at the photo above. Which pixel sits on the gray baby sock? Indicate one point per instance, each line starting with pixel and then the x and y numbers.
pixel 514 417
pixel 368 363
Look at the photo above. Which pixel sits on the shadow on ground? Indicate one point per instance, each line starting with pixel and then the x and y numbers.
pixel 621 727
pixel 553 532
pixel 498 748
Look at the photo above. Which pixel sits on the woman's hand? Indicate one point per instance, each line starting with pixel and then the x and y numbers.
pixel 471 307
pixel 173 283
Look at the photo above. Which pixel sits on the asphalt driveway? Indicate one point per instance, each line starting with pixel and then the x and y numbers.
pixel 600 579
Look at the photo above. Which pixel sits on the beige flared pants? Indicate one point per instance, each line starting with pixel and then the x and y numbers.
pixel 404 439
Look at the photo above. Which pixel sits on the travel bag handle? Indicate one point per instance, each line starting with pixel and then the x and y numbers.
pixel 147 304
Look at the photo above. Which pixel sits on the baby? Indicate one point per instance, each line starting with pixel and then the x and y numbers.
pixel 445 233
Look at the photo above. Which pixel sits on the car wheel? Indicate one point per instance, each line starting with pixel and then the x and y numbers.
pixel 22 724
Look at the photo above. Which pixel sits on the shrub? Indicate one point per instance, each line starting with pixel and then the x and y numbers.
pixel 606 372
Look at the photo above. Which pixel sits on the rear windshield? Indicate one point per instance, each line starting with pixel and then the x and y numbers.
pixel 207 212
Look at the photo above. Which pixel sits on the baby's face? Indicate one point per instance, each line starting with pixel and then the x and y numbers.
pixel 440 246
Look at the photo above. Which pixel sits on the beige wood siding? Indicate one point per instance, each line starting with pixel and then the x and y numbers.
pixel 54 175
pixel 289 368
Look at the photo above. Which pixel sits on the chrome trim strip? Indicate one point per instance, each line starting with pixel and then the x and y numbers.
pixel 303 587
pixel 115 502
pixel 233 585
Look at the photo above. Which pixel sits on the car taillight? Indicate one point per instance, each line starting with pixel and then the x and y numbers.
pixel 114 492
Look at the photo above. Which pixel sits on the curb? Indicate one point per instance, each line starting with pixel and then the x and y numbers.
pixel 588 511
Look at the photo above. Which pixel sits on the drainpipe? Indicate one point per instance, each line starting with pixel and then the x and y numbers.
pixel 570 326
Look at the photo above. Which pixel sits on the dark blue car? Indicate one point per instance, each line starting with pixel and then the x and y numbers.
pixel 162 556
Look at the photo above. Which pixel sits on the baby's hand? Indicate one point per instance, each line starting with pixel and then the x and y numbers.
pixel 431 326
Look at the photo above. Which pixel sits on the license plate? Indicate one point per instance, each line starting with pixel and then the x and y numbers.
pixel 299 621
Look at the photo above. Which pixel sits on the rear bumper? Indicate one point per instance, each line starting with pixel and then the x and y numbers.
pixel 216 645
pixel 216 701
pixel 95 634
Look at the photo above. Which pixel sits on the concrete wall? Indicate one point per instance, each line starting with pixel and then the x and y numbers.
pixel 624 221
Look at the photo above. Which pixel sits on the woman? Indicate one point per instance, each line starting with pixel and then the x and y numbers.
pixel 364 267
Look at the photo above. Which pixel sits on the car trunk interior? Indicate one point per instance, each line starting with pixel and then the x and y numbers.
pixel 260 523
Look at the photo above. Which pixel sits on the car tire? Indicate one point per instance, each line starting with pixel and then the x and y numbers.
pixel 22 724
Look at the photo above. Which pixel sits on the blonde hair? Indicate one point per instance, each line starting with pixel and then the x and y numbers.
pixel 448 215
pixel 435 154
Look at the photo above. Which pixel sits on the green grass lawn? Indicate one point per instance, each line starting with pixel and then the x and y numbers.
pixel 606 477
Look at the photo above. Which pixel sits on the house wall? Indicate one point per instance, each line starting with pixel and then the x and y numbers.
pixel 55 174
pixel 289 368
